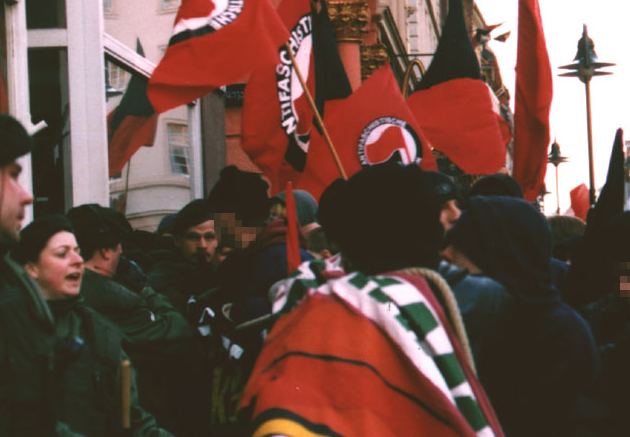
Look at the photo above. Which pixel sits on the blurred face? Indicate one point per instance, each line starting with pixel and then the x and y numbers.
pixel 233 234
pixel 59 268
pixel 13 200
pixel 198 243
pixel 450 214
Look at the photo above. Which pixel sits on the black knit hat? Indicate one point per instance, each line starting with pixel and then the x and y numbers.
pixel 97 227
pixel 498 184
pixel 14 141
pixel 241 192
pixel 194 213
pixel 389 219
pixel 35 236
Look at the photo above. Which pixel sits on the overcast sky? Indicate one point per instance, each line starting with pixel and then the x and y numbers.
pixel 608 26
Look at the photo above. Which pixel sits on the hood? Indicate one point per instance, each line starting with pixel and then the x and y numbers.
pixel 509 241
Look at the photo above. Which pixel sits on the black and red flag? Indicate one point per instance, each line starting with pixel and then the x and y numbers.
pixel 455 108
pixel 214 43
pixel 365 134
pixel 132 124
pixel 278 122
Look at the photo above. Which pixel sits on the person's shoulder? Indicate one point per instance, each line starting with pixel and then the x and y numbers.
pixel 99 289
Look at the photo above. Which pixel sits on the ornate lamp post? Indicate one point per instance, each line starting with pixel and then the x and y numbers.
pixel 556 158
pixel 585 67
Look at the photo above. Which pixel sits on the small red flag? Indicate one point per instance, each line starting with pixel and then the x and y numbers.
pixel 534 92
pixel 215 43
pixel 365 134
pixel 580 201
pixel 293 242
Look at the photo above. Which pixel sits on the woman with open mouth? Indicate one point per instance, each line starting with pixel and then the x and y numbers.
pixel 87 392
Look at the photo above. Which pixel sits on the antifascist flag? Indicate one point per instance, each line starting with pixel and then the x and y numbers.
pixel 278 122
pixel 456 110
pixel 132 124
pixel 580 201
pixel 534 92
pixel 214 43
pixel 366 134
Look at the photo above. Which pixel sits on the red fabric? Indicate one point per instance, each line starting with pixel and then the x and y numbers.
pixel 580 201
pixel 133 132
pixel 293 243
pixel 350 398
pixel 534 92
pixel 263 137
pixel 460 120
pixel 347 119
pixel 193 67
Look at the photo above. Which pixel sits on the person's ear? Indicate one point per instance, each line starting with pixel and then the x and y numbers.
pixel 32 270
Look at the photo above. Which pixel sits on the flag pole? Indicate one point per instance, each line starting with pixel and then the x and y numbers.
pixel 405 82
pixel 318 117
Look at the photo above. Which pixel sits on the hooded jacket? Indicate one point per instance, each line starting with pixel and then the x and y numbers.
pixel 542 354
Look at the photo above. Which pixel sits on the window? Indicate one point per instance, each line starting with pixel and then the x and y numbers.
pixel 179 148
pixel 169 5
pixel 116 77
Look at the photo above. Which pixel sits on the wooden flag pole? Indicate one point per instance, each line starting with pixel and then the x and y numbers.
pixel 311 102
pixel 125 383
pixel 407 75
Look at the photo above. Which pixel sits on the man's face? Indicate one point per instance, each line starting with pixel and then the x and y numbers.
pixel 198 243
pixel 450 214
pixel 13 200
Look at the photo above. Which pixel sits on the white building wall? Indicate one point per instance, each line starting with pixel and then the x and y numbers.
pixel 153 189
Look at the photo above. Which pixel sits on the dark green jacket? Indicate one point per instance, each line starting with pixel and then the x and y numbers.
pixel 163 347
pixel 146 318
pixel 88 376
pixel 26 356
pixel 182 282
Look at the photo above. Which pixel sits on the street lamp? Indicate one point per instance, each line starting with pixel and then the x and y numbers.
pixel 556 158
pixel 585 67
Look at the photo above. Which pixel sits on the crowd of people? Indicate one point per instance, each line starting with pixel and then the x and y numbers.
pixel 417 310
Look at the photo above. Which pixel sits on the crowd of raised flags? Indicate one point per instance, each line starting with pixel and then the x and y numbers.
pixel 451 110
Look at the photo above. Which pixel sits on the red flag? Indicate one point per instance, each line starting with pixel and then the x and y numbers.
pixel 460 120
pixel 277 119
pixel 365 134
pixel 580 201
pixel 293 242
pixel 534 92
pixel 456 110
pixel 215 43
pixel 132 124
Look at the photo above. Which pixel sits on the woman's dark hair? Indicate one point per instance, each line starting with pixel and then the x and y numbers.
pixel 35 236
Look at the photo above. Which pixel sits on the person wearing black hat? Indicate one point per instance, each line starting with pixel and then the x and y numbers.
pixel 89 350
pixel 159 336
pixel 26 324
pixel 187 270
